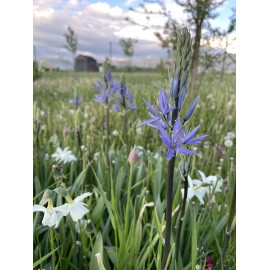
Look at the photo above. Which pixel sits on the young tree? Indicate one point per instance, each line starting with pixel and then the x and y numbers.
pixel 199 13
pixel 128 49
pixel 72 42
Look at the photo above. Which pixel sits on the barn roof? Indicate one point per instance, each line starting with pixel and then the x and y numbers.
pixel 87 57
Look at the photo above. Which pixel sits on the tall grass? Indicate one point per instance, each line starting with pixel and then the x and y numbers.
pixel 132 194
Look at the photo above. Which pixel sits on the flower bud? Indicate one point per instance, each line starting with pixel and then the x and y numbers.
pixel 100 262
pixel 133 157
pixel 65 132
pixel 96 156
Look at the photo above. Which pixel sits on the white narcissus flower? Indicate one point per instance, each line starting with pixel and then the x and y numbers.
pixel 213 182
pixel 52 215
pixel 228 143
pixel 75 208
pixel 115 133
pixel 195 189
pixel 139 131
pixel 63 156
pixel 54 139
pixel 230 135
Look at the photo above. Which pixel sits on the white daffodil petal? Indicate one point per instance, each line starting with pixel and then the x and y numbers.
pixel 49 219
pixel 200 198
pixel 64 209
pixel 212 179
pixel 202 175
pixel 77 211
pixel 82 196
pixel 190 181
pixel 190 194
pixel 218 186
pixel 40 208
pixel 197 182
pixel 202 191
pixel 59 216
pixel 53 219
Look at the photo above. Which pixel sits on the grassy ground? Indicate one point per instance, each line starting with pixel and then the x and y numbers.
pixel 104 228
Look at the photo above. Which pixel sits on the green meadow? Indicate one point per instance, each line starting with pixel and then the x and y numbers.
pixel 124 225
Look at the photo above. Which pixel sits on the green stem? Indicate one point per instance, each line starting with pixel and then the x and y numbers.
pixel 125 124
pixel 128 202
pixel 169 202
pixel 125 131
pixel 107 142
pixel 107 132
pixel 183 211
pixel 79 140
pixel 52 247
pixel 169 196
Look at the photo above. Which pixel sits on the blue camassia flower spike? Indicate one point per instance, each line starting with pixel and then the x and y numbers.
pixel 158 114
pixel 76 100
pixel 105 93
pixel 123 92
pixel 191 109
pixel 178 139
pixel 182 94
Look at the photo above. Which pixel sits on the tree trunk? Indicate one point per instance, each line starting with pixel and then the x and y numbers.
pixel 195 57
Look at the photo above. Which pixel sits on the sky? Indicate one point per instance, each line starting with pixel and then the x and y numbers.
pixel 98 24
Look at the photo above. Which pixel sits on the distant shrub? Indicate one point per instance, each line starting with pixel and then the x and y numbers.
pixel 36 71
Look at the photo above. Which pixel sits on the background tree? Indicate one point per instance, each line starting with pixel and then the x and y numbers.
pixel 72 42
pixel 199 13
pixel 128 48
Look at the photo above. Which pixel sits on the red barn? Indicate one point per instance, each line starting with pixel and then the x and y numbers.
pixel 85 63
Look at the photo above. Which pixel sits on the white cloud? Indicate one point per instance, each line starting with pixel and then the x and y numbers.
pixel 73 2
pixel 46 13
pixel 96 25
pixel 104 8
pixel 223 42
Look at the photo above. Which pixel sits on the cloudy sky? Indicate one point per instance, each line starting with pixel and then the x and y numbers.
pixel 99 23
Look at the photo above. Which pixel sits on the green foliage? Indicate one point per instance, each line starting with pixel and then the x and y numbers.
pixel 71 40
pixel 36 71
pixel 127 46
pixel 138 246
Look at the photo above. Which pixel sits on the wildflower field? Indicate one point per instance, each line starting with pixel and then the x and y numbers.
pixel 104 145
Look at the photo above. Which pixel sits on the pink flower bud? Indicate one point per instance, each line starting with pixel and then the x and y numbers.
pixel 65 132
pixel 133 157
pixel 209 263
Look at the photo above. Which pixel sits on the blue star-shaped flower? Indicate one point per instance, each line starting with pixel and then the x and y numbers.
pixel 158 114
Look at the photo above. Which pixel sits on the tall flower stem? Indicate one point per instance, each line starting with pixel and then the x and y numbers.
pixel 169 196
pixel 183 210
pixel 107 143
pixel 79 140
pixel 169 202
pixel 125 128
pixel 107 132
pixel 124 103
pixel 128 202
